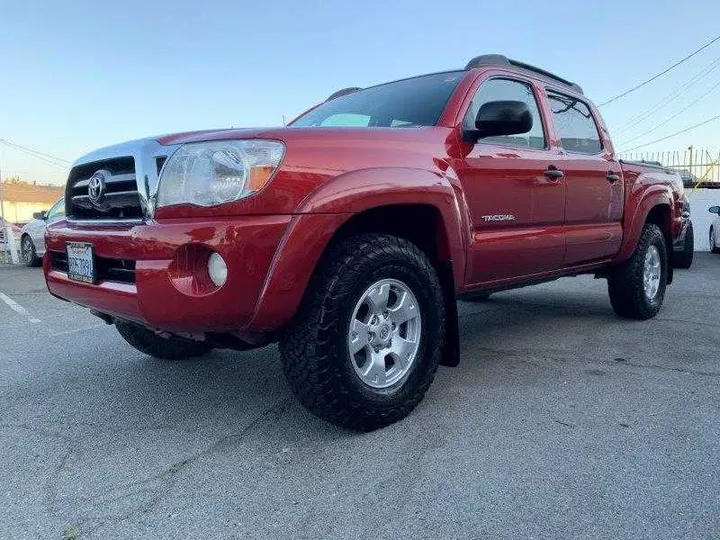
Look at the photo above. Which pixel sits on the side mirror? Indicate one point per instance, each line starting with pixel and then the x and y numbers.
pixel 502 118
pixel 714 210
pixel 40 215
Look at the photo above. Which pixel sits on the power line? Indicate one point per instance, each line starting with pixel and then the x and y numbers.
pixel 34 152
pixel 38 155
pixel 672 96
pixel 674 116
pixel 651 79
pixel 49 162
pixel 674 134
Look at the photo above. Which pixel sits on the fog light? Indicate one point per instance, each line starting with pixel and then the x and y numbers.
pixel 217 269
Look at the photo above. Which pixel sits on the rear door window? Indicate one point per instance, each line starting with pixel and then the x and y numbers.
pixel 574 124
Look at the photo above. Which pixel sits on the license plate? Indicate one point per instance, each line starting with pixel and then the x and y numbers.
pixel 81 262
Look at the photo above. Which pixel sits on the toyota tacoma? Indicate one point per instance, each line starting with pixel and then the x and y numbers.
pixel 348 235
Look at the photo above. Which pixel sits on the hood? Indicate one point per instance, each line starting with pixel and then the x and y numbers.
pixel 349 148
pixel 314 134
pixel 32 223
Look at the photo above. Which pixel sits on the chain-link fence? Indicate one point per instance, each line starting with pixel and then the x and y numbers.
pixel 698 167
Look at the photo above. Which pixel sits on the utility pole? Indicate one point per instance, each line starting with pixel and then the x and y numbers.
pixel 690 163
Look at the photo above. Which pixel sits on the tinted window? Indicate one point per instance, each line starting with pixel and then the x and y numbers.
pixel 574 124
pixel 507 90
pixel 412 102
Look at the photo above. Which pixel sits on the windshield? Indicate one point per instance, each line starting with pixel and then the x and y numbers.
pixel 408 103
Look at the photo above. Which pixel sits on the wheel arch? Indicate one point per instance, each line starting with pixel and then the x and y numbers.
pixel 661 215
pixel 424 226
pixel 420 206
pixel 655 207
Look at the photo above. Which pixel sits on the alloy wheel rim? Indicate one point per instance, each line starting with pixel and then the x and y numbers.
pixel 651 272
pixel 26 250
pixel 384 333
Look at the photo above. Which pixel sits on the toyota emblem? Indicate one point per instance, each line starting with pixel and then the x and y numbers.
pixel 96 188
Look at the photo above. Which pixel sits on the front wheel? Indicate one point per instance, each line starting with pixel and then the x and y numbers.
pixel 27 250
pixel 637 287
pixel 165 348
pixel 365 345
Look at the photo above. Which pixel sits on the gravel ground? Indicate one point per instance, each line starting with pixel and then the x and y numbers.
pixel 562 421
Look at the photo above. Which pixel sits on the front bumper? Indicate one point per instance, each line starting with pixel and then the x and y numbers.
pixel 157 297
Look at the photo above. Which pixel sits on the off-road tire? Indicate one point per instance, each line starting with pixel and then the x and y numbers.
pixel 148 342
pixel 27 252
pixel 625 282
pixel 713 242
pixel 684 259
pixel 314 348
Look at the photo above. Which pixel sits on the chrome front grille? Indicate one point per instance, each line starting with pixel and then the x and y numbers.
pixel 117 198
pixel 130 173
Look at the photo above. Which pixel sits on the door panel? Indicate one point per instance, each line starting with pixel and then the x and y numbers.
pixel 36 229
pixel 40 238
pixel 593 210
pixel 593 183
pixel 517 213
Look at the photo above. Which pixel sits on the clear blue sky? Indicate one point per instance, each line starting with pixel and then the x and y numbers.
pixel 78 75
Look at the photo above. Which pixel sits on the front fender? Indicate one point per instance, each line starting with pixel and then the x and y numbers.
pixel 365 189
pixel 638 206
pixel 326 209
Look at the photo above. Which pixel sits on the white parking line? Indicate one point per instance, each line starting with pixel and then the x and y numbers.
pixel 18 308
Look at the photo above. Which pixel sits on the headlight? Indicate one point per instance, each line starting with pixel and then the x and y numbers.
pixel 216 172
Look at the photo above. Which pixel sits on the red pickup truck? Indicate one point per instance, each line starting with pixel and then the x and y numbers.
pixel 348 235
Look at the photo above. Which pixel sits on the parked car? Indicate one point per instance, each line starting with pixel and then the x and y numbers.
pixel 349 245
pixel 689 179
pixel 32 240
pixel 715 230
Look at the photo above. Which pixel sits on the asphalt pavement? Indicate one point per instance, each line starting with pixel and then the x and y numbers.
pixel 562 421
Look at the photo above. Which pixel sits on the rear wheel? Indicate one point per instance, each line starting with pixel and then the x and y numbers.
pixel 365 345
pixel 684 258
pixel 28 253
pixel 637 287
pixel 165 348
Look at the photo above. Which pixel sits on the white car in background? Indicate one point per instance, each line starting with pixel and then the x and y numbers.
pixel 32 239
pixel 715 230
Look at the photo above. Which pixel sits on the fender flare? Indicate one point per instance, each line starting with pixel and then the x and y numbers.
pixel 332 204
pixel 634 223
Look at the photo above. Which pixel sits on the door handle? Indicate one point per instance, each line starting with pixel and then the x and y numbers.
pixel 612 177
pixel 553 172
